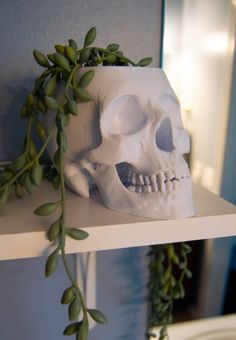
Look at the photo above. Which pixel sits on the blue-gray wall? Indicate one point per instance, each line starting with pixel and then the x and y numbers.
pixel 29 307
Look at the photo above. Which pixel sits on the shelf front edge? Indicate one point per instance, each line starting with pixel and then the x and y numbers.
pixel 34 244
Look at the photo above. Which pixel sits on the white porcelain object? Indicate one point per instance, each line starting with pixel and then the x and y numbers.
pixel 130 141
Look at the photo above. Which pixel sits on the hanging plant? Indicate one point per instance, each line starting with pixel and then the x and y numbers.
pixel 25 174
pixel 168 267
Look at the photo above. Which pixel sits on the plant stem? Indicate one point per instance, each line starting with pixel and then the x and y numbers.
pixel 63 230
pixel 29 165
pixel 77 66
pixel 29 127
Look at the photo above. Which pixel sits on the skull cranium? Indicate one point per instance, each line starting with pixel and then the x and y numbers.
pixel 135 122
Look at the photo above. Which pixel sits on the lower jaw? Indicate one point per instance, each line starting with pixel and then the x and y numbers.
pixel 174 204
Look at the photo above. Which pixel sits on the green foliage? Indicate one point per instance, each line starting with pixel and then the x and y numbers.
pixel 54 230
pixel 46 209
pixel 25 174
pixel 71 329
pixel 74 309
pixel 97 316
pixel 68 295
pixel 90 36
pixel 168 266
pixel 86 78
pixel 77 234
pixel 51 263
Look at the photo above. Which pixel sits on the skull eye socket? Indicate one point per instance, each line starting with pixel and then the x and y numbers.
pixel 164 138
pixel 124 116
pixel 172 108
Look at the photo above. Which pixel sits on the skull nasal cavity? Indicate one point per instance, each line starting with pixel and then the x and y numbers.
pixel 164 139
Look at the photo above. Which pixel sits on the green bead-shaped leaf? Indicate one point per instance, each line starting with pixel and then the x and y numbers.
pixel 73 44
pixel 46 209
pixel 68 296
pixel 32 150
pixel 182 265
pixel 170 251
pixel 72 106
pixel 167 273
pixel 41 106
pixel 84 55
pixel 19 163
pixel 65 120
pixel 54 230
pixel 40 130
pixel 97 316
pixel 83 95
pixel 51 102
pixel 110 58
pixel 77 234
pixel 71 54
pixel 60 49
pixel 62 62
pixel 19 190
pixel 90 36
pixel 145 62
pixel 188 273
pixel 41 59
pixel 28 184
pixel 56 182
pixel 186 248
pixel 51 263
pixel 71 329
pixel 37 174
pixel 74 309
pixel 50 86
pixel 175 259
pixel 51 57
pixel 30 99
pixel 86 78
pixel 113 47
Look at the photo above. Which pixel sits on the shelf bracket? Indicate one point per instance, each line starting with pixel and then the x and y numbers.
pixel 85 268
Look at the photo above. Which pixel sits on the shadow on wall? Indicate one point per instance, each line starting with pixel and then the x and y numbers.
pixel 122 279
pixel 133 292
pixel 13 128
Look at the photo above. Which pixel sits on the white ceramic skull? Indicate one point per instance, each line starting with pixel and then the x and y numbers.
pixel 134 119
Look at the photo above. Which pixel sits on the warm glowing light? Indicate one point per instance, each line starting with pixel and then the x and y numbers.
pixel 216 43
pixel 169 44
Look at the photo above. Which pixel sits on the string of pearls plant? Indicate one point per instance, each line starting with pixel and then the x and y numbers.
pixel 168 267
pixel 25 174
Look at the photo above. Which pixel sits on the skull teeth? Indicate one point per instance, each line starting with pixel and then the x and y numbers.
pixel 162 181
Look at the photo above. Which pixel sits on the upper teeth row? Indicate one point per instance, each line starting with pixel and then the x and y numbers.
pixel 160 178
pixel 162 181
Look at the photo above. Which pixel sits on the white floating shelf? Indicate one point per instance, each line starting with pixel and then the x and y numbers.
pixel 23 235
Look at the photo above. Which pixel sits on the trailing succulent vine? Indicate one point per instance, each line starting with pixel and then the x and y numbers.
pixel 168 267
pixel 25 174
